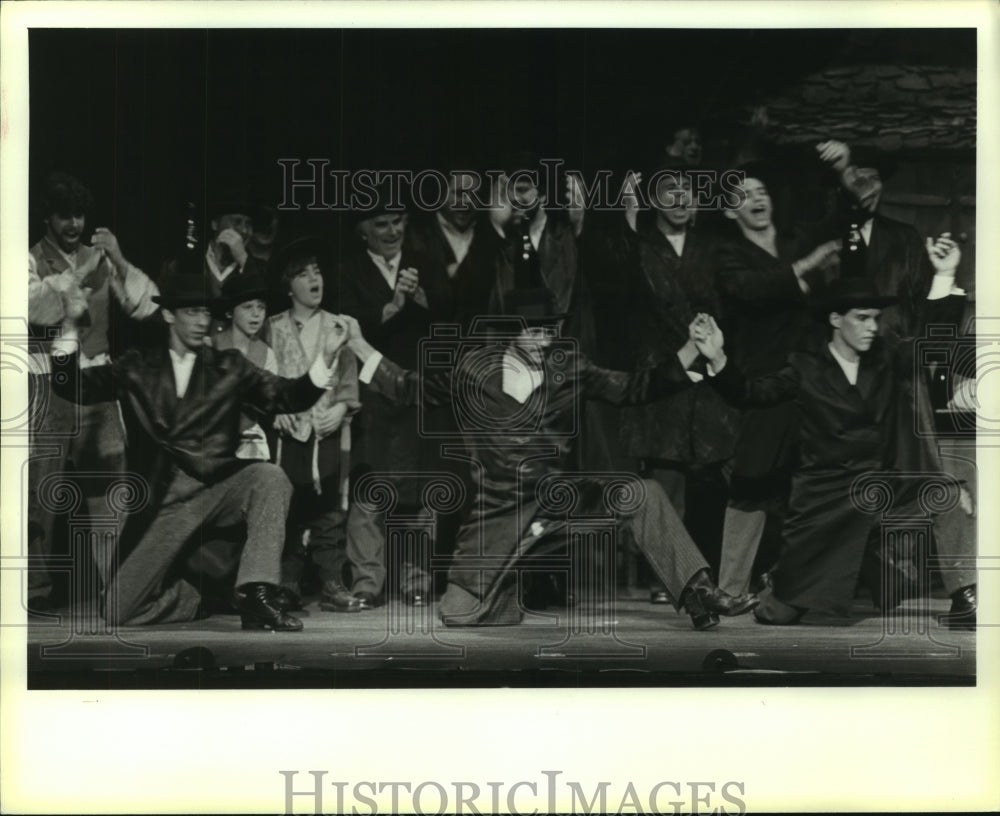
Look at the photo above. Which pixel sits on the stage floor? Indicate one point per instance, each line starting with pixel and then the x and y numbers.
pixel 632 644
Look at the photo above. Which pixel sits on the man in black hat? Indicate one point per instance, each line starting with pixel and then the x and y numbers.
pixel 528 391
pixel 181 403
pixel 847 398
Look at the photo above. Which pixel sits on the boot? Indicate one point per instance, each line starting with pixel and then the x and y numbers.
pixel 717 601
pixel 962 615
pixel 259 610
pixel 287 599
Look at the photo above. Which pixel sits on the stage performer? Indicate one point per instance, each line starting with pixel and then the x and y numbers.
pixel 182 406
pixel 530 389
pixel 847 394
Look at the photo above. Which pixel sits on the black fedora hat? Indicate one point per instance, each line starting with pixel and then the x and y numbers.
pixel 239 288
pixel 844 294
pixel 536 307
pixel 181 287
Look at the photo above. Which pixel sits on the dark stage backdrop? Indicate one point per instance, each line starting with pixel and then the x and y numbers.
pixel 151 118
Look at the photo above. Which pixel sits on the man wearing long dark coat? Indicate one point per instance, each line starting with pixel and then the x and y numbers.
pixel 530 390
pixel 846 394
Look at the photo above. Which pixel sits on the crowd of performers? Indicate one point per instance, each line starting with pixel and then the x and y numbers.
pixel 261 380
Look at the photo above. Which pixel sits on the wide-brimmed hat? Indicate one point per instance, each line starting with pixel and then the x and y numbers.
pixel 844 294
pixel 536 307
pixel 181 287
pixel 240 287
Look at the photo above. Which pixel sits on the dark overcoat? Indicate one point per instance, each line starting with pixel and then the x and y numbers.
pixel 197 434
pixel 516 451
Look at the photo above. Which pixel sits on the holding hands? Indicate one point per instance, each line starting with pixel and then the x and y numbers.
pixel 708 339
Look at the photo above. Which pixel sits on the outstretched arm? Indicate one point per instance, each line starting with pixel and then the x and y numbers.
pixel 729 381
pixel 388 379
pixel 643 385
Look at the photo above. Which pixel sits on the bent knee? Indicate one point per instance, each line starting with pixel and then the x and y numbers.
pixel 269 477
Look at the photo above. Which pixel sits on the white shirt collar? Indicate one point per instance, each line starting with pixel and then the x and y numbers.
pixel 183 365
pixel 519 379
pixel 388 267
pixel 213 266
pixel 849 368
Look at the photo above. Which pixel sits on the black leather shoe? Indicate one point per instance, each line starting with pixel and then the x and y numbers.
pixel 416 597
pixel 258 610
pixel 962 615
pixel 718 601
pixel 287 600
pixel 659 596
pixel 336 598
pixel 701 618
pixel 369 600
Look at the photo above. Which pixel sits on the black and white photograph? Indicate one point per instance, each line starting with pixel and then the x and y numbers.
pixel 452 366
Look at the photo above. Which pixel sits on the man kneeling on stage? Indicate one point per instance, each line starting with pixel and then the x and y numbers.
pixel 848 396
pixel 181 404
pixel 527 393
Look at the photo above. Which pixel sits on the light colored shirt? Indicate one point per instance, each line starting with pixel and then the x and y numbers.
pixel 520 380
pixel 458 240
pixel 849 368
pixel 537 227
pixel 677 242
pixel 183 365
pixel 866 231
pixel 219 274
pixel 389 267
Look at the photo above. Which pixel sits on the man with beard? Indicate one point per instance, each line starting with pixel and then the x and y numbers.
pixel 460 239
pixel 65 272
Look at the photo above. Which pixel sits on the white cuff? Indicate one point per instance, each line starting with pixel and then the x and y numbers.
pixel 694 376
pixel 944 286
pixel 68 342
pixel 322 376
pixel 368 369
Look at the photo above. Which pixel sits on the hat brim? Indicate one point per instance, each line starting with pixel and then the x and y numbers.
pixel 243 297
pixel 167 302
pixel 844 304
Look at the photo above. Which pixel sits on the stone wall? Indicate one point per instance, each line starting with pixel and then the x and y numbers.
pixel 889 107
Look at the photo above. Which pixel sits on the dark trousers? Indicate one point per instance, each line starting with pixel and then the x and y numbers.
pixel 147 587
pixel 655 526
pixel 82 444
pixel 324 549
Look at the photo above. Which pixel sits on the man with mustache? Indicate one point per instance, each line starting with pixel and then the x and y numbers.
pixel 846 394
